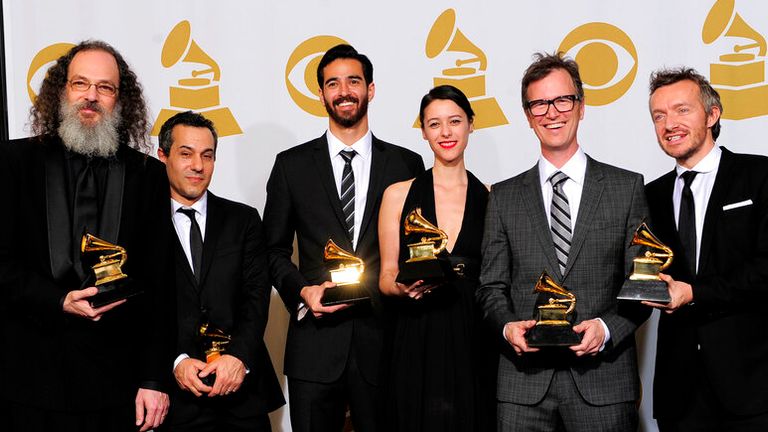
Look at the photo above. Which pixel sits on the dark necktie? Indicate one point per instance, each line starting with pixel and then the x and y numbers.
pixel 195 241
pixel 560 214
pixel 85 211
pixel 348 192
pixel 686 222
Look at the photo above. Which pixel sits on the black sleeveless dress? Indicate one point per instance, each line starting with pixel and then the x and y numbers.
pixel 442 373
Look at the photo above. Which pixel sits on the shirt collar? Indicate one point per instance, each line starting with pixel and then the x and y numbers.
pixel 575 168
pixel 708 164
pixel 362 146
pixel 200 206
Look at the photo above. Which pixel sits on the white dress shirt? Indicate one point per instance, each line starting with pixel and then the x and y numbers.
pixel 701 187
pixel 361 167
pixel 576 170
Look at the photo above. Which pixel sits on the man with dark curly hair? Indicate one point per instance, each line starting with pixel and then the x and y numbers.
pixel 75 365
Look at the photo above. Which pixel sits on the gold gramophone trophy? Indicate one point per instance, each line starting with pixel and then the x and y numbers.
pixel 552 325
pixel 347 273
pixel 644 282
pixel 424 262
pixel 112 283
pixel 214 343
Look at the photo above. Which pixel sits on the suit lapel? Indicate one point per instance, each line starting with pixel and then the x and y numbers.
pixel 534 206
pixel 57 209
pixel 715 205
pixel 325 177
pixel 379 159
pixel 214 222
pixel 591 192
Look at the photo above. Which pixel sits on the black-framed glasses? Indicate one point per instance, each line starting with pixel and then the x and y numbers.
pixel 103 88
pixel 562 104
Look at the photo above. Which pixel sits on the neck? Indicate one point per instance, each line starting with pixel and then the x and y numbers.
pixel 558 158
pixel 449 174
pixel 690 161
pixel 349 135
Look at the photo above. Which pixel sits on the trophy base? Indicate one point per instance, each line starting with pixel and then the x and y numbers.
pixel 648 290
pixel 343 294
pixel 552 336
pixel 111 292
pixel 431 271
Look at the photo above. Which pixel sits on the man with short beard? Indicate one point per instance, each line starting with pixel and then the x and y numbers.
pixel 332 352
pixel 70 366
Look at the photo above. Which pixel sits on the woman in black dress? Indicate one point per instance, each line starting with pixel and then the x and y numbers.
pixel 441 368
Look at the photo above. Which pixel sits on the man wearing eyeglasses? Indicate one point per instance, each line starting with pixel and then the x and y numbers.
pixel 572 217
pixel 70 365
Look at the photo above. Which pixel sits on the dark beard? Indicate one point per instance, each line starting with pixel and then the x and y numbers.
pixel 99 140
pixel 347 122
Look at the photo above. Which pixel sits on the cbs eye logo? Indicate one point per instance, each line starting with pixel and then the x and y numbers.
pixel 302 68
pixel 603 53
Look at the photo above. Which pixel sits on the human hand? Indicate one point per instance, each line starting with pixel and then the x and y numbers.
pixel 313 294
pixel 187 376
pixel 77 303
pixel 592 339
pixel 514 333
pixel 230 373
pixel 680 292
pixel 415 290
pixel 151 408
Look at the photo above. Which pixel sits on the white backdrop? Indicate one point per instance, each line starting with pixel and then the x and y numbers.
pixel 264 53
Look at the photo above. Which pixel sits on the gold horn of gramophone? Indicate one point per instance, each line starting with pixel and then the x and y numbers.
pixel 553 328
pixel 432 243
pixel 179 46
pixel 346 272
pixel 214 341
pixel 443 38
pixel 109 267
pixel 718 23
pixel 648 266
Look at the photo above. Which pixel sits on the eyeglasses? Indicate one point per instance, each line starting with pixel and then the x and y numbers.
pixel 104 88
pixel 562 104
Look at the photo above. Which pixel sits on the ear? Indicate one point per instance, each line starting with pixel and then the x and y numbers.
pixel 371 91
pixel 471 126
pixel 529 117
pixel 713 116
pixel 161 155
pixel 320 93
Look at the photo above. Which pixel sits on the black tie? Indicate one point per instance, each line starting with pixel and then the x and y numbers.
pixel 195 241
pixel 348 192
pixel 85 212
pixel 686 222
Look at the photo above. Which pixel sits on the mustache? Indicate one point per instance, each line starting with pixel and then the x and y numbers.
pixel 342 99
pixel 91 105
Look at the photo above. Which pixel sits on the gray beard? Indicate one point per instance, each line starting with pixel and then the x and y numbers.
pixel 99 140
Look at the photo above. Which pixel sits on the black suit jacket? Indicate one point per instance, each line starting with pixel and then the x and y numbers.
pixel 302 199
pixel 55 360
pixel 728 317
pixel 232 295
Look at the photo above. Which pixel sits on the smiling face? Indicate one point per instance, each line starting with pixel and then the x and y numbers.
pixel 190 163
pixel 556 131
pixel 94 67
pixel 682 122
pixel 446 128
pixel 345 94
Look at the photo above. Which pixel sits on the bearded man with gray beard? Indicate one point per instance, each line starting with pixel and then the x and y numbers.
pixel 67 365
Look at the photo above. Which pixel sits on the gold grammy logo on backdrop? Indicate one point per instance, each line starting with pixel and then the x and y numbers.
pixel 310 52
pixel 198 92
pixel 594 47
pixel 47 55
pixel 468 75
pixel 738 76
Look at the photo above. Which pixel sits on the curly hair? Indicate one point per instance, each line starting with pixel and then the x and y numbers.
pixel 134 126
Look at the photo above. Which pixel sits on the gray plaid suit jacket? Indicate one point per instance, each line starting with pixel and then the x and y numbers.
pixel 517 246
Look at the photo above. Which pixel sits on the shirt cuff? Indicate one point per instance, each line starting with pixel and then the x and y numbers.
pixel 179 359
pixel 607 334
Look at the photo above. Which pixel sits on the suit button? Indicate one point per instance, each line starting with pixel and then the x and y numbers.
pixel 698 347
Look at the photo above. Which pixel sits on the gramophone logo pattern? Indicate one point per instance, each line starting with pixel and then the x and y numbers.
pixel 738 76
pixel 200 92
pixel 47 55
pixel 446 37
pixel 596 53
pixel 310 51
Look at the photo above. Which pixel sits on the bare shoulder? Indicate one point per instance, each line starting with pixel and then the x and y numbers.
pixel 398 191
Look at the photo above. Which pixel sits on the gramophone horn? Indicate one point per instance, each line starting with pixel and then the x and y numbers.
pixel 178 43
pixel 443 38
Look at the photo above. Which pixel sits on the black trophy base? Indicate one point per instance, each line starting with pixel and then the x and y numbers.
pixel 648 290
pixel 552 336
pixel 343 294
pixel 431 271
pixel 111 292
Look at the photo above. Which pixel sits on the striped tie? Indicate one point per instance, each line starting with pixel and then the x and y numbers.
pixel 348 192
pixel 561 219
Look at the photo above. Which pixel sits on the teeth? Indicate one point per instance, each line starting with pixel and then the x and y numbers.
pixel 674 138
pixel 555 125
